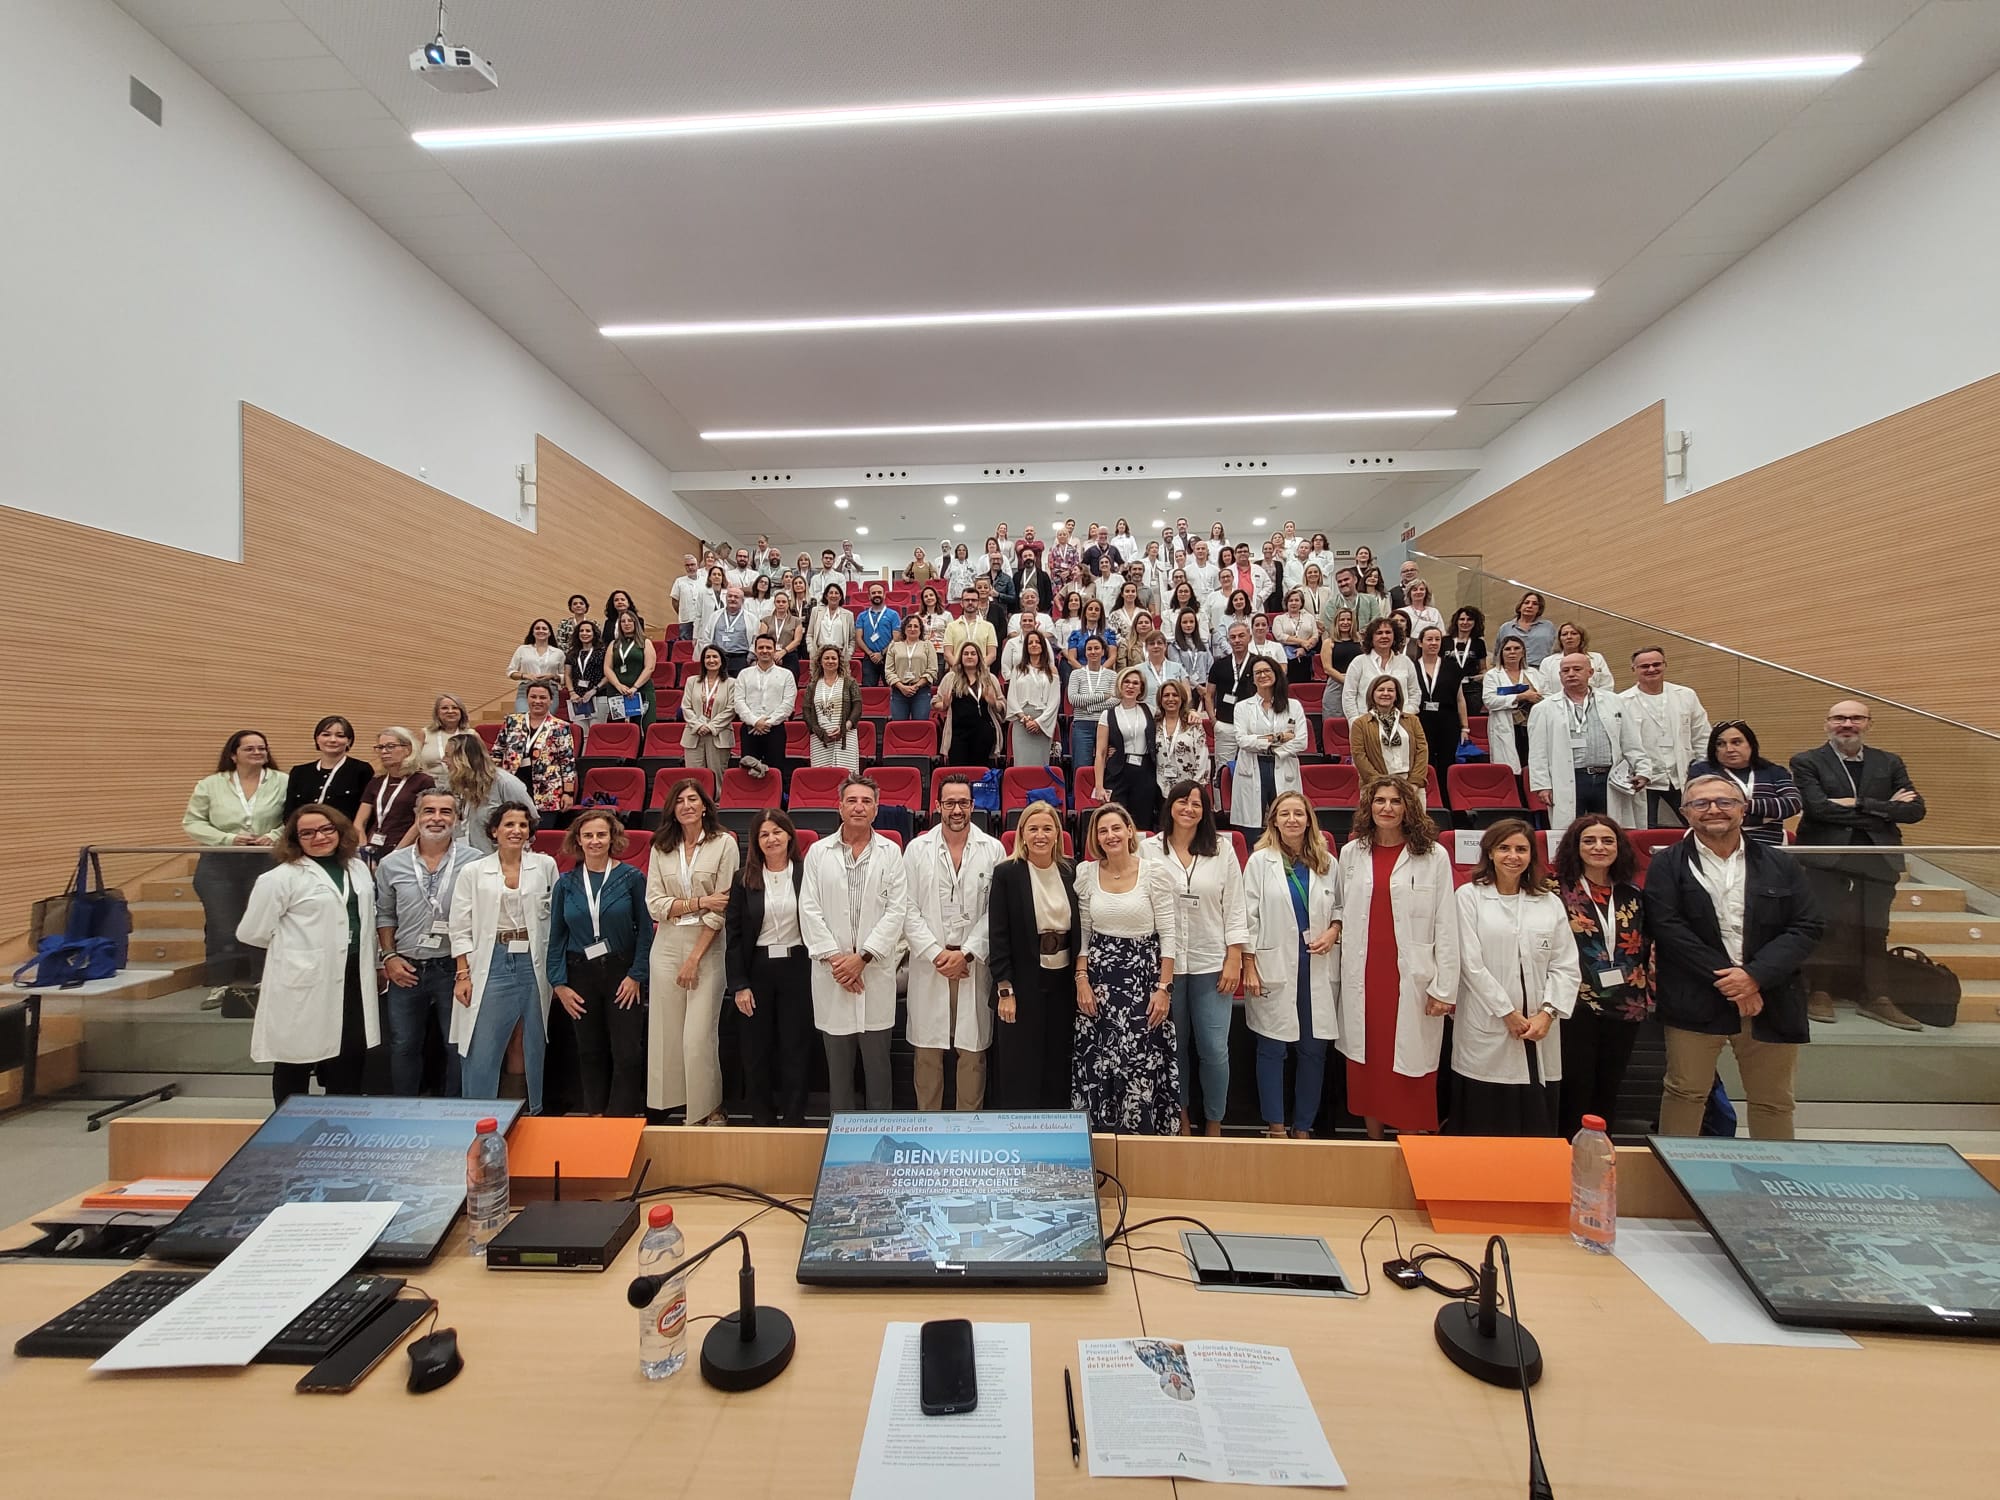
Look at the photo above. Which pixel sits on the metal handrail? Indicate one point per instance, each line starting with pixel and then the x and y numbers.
pixel 1680 635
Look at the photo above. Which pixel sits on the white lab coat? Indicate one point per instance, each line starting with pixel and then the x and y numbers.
pixel 1552 770
pixel 1515 955
pixel 927 871
pixel 1690 729
pixel 1364 669
pixel 1274 942
pixel 1426 923
pixel 1549 674
pixel 300 921
pixel 1254 730
pixel 1500 715
pixel 827 926
pixel 475 917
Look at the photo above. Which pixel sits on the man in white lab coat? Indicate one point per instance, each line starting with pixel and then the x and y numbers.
pixel 852 905
pixel 1580 743
pixel 1672 726
pixel 950 875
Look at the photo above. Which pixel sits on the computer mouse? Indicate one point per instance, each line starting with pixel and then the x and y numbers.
pixel 434 1360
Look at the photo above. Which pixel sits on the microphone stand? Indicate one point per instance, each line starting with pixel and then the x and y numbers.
pixel 1492 1346
pixel 745 1349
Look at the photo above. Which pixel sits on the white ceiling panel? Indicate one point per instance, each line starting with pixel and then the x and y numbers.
pixel 1642 193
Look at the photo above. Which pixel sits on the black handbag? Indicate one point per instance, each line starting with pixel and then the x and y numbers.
pixel 1925 989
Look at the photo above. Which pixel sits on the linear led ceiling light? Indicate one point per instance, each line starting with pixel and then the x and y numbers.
pixel 1083 424
pixel 1227 96
pixel 1386 302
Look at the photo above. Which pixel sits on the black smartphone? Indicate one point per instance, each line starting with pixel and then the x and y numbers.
pixel 342 1370
pixel 944 1354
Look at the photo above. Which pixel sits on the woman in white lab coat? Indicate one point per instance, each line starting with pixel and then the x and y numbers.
pixel 1518 978
pixel 1399 960
pixel 313 914
pixel 1508 691
pixel 1291 979
pixel 1271 734
pixel 500 941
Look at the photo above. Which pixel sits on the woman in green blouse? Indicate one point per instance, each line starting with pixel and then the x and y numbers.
pixel 242 807
pixel 629 666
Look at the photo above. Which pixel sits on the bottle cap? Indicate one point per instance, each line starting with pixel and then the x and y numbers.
pixel 486 1126
pixel 660 1217
pixel 1593 1122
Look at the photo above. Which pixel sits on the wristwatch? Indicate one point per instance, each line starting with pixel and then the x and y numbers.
pixel 1005 992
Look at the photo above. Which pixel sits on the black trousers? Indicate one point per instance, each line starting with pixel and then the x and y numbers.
pixel 767 745
pixel 1596 1049
pixel 341 1073
pixel 777 1037
pixel 607 1056
pixel 1593 791
pixel 1852 959
pixel 223 883
pixel 1031 1053
pixel 1668 797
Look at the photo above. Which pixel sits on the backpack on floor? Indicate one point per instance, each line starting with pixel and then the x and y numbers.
pixel 1925 989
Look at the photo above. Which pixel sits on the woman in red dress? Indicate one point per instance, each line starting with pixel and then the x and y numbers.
pixel 1399 960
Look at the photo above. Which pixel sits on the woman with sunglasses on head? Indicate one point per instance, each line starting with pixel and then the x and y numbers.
pixel 335 778
pixel 1518 978
pixel 313 914
pixel 1773 795
pixel 1270 736
pixel 1597 878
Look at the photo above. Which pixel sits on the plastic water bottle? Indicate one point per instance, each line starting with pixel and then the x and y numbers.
pixel 663 1323
pixel 488 1194
pixel 1593 1187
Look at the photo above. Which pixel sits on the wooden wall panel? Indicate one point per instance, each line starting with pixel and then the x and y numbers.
pixel 1864 560
pixel 362 591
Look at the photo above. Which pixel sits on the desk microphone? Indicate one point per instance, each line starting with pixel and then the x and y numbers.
pixel 745 1349
pixel 1493 1346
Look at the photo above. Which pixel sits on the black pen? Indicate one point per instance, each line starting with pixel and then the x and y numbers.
pixel 1069 1400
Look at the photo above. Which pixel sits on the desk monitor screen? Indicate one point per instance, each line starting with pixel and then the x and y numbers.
pixel 1850 1234
pixel 996 1198
pixel 337 1150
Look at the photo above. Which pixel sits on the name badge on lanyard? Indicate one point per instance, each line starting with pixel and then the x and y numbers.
pixel 592 898
pixel 1607 927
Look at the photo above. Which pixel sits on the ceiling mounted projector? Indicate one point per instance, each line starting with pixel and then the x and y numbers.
pixel 452 70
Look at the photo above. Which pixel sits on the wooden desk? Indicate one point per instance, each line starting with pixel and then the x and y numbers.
pixel 1635 1404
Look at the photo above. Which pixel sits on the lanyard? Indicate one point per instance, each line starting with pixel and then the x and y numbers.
pixel 1299 885
pixel 583 660
pixel 245 797
pixel 1579 719
pixel 536 738
pixel 434 879
pixel 325 785
pixel 1430 678
pixel 1749 783
pixel 389 799
pixel 1461 652
pixel 592 898
pixel 687 875
pixel 1607 919
pixel 1847 770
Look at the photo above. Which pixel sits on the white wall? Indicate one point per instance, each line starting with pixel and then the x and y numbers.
pixel 1883 295
pixel 153 277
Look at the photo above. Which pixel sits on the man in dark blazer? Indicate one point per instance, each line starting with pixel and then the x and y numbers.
pixel 1733 923
pixel 1030 574
pixel 1854 794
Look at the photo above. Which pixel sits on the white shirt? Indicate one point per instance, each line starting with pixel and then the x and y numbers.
pixel 1201 576
pixel 689 596
pixel 765 693
pixel 1146 909
pixel 1037 695
pixel 781 912
pixel 1209 905
pixel 532 663
pixel 1722 877
pixel 1132 725
pixel 816 587
pixel 1016 623
pixel 1167 671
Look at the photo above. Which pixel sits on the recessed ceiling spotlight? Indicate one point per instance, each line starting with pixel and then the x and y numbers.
pixel 958 525
pixel 992 317
pixel 951 499
pixel 1156 523
pixel 1173 494
pixel 1306 91
pixel 840 502
pixel 1256 520
pixel 1081 424
pixel 1062 497
pixel 861 531
pixel 1288 491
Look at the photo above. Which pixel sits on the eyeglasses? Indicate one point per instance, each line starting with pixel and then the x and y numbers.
pixel 1849 718
pixel 1703 804
pixel 383 747
pixel 321 831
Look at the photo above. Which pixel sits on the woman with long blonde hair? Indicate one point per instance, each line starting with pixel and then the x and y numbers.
pixel 1291 977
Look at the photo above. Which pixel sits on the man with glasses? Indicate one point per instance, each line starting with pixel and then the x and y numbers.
pixel 1673 728
pixel 1855 794
pixel 413 888
pixel 1733 924
pixel 973 624
pixel 950 876
pixel 1575 740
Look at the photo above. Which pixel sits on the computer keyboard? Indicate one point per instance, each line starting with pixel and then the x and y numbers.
pixel 100 1321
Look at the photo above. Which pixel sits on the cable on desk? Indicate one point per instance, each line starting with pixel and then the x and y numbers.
pixel 1127 1230
pixel 433 1314
pixel 739 1191
pixel 1116 1234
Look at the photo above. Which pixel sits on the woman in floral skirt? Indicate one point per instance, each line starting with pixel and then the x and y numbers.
pixel 1123 1069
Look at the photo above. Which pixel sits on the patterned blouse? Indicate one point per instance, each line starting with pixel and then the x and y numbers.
pixel 1634 1000
pixel 1181 756
pixel 544 758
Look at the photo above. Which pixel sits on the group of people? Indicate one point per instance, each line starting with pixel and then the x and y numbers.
pixel 409 903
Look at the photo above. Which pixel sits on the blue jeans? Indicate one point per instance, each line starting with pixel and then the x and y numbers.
pixel 916 706
pixel 510 998
pixel 1201 1025
pixel 1083 752
pixel 1311 1069
pixel 408 1013
pixel 872 673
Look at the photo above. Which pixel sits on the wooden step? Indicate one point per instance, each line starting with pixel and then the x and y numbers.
pixel 180 888
pixel 157 916
pixel 1967 960
pixel 1913 897
pixel 167 946
pixel 1921 928
pixel 1979 1000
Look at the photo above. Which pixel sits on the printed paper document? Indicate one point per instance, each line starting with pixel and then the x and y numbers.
pixel 987 1453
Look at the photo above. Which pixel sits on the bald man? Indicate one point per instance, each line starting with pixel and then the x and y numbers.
pixel 1854 794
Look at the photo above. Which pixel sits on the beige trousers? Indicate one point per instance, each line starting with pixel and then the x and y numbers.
pixel 1768 1070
